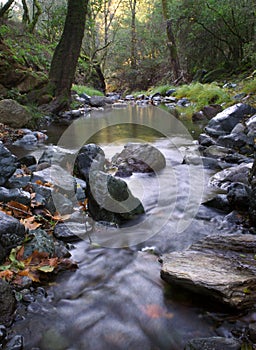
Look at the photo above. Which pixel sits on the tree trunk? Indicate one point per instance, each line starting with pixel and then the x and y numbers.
pixel 171 44
pixel 133 35
pixel 25 17
pixel 36 14
pixel 64 62
pixel 6 7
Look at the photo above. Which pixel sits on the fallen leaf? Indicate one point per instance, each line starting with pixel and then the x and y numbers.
pixel 155 311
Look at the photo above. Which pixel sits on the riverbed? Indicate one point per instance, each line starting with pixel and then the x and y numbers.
pixel 116 298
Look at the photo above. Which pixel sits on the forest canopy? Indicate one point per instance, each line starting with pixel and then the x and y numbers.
pixel 135 44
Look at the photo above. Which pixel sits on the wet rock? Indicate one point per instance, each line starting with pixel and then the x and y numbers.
pixel 183 102
pixel 213 343
pixel 52 200
pixel 41 242
pixel 70 232
pixel 252 207
pixel 226 177
pixel 58 177
pixel 170 92
pixel 8 164
pixel 12 233
pixel 198 117
pixel 225 121
pixel 3 332
pixel 16 343
pixel 222 267
pixel 139 158
pixel 219 202
pixel 27 160
pixel 211 110
pixel 29 139
pixel 14 194
pixel 235 141
pixel 7 303
pixel 205 140
pixel 57 156
pixel 90 157
pixel 215 151
pixel 100 101
pixel 239 196
pixel 13 114
pixel 110 200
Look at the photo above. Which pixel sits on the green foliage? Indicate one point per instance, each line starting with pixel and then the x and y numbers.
pixel 80 89
pixel 250 87
pixel 203 94
pixel 161 89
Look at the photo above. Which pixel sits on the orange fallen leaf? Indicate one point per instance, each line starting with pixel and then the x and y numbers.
pixel 155 311
pixel 7 274
pixel 30 223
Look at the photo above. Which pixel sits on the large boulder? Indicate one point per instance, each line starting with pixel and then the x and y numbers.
pixel 8 164
pixel 7 303
pixel 220 267
pixel 138 158
pixel 13 114
pixel 225 121
pixel 12 233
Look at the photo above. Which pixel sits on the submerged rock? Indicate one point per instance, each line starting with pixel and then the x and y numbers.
pixel 222 267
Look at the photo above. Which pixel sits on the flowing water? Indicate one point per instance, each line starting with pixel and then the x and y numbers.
pixel 116 298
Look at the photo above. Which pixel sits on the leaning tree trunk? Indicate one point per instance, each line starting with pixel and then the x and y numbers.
pixel 64 62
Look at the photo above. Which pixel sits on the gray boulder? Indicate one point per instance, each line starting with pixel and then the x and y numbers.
pixel 7 303
pixel 58 177
pixel 225 121
pixel 12 233
pixel 239 196
pixel 238 173
pixel 138 158
pixel 14 194
pixel 57 156
pixel 220 267
pixel 8 164
pixel 100 101
pixel 13 114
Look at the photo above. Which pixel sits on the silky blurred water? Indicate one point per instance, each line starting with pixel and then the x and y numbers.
pixel 116 298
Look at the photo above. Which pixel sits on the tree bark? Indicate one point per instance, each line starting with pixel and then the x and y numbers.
pixel 171 44
pixel 6 7
pixel 64 62
pixel 36 14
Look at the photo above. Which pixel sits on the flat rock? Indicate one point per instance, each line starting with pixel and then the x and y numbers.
pixel 222 267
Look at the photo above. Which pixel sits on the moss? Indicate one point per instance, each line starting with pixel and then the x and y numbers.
pixel 80 89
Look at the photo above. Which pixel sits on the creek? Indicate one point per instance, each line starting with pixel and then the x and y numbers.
pixel 116 298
